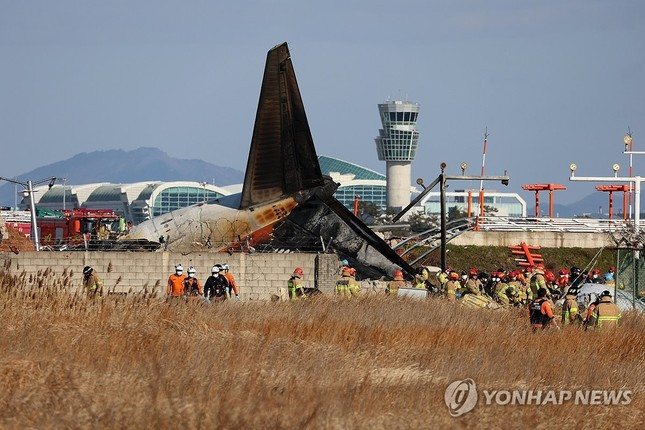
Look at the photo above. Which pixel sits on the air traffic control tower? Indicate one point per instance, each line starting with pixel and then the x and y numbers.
pixel 397 145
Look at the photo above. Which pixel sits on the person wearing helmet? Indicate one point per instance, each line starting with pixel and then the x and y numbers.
pixel 342 284
pixel 473 285
pixel 519 292
pixel 499 288
pixel 92 283
pixel 540 312
pixel 609 279
pixel 551 285
pixel 393 286
pixel 442 277
pixel 344 263
pixel 421 278
pixel 216 286
pixel 451 286
pixel 570 307
pixel 575 278
pixel 538 281
pixel 192 287
pixel 563 280
pixel 175 287
pixel 232 285
pixel 595 278
pixel 294 285
pixel 606 314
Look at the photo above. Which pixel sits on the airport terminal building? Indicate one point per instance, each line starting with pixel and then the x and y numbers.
pixel 136 202
pixel 355 180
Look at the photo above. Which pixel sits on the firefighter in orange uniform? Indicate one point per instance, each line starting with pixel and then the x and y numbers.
pixel 175 287
pixel 232 285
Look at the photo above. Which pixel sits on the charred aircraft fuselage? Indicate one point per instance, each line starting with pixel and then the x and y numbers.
pixel 286 203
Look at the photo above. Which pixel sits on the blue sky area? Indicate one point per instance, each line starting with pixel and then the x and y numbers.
pixel 554 81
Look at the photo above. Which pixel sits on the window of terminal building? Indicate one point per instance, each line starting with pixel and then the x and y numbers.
pixel 174 198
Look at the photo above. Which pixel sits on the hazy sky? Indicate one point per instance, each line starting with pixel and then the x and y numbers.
pixel 554 81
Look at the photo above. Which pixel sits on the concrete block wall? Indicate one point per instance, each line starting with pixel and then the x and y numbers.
pixel 545 239
pixel 259 276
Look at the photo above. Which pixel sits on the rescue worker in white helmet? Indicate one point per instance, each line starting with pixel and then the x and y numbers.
pixel 175 287
pixel 232 285
pixel 216 286
pixel 192 287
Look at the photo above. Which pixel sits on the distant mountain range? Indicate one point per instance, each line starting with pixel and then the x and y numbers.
pixel 119 166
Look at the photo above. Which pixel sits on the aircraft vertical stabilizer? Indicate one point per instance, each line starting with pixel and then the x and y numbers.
pixel 282 159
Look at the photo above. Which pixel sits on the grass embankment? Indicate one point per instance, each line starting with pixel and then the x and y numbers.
pixel 374 362
pixel 489 258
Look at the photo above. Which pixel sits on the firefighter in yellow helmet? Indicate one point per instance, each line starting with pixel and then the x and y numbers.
pixel 606 314
pixel 294 285
pixel 393 286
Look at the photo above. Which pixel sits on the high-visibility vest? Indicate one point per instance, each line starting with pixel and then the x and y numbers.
pixel 450 287
pixel 393 287
pixel 342 287
pixel 354 287
pixel 294 284
pixel 606 313
pixel 569 310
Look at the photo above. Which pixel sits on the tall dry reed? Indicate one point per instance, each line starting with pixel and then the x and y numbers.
pixel 374 362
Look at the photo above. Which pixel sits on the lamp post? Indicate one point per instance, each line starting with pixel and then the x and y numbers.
pixel 441 180
pixel 636 180
pixel 29 189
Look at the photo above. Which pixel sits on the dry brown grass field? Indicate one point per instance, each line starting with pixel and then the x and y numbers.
pixel 374 362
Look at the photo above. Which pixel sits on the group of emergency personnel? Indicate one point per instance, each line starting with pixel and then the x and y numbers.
pixel 346 285
pixel 536 288
pixel 220 286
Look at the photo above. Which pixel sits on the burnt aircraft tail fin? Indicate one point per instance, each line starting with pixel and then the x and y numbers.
pixel 282 159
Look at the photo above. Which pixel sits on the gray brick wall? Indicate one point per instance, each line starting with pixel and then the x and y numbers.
pixel 259 276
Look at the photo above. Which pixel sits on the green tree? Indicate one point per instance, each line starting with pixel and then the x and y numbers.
pixel 454 212
pixel 422 222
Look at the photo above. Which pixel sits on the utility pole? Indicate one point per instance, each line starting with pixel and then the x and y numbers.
pixel 29 188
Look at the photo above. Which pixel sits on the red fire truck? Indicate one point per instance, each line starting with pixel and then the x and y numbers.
pixel 73 227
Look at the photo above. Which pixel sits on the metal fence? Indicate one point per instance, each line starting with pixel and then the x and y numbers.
pixel 630 273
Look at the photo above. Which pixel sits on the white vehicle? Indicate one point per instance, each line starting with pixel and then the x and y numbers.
pixel 587 293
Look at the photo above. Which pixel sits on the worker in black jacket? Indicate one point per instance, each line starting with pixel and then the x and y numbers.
pixel 216 286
